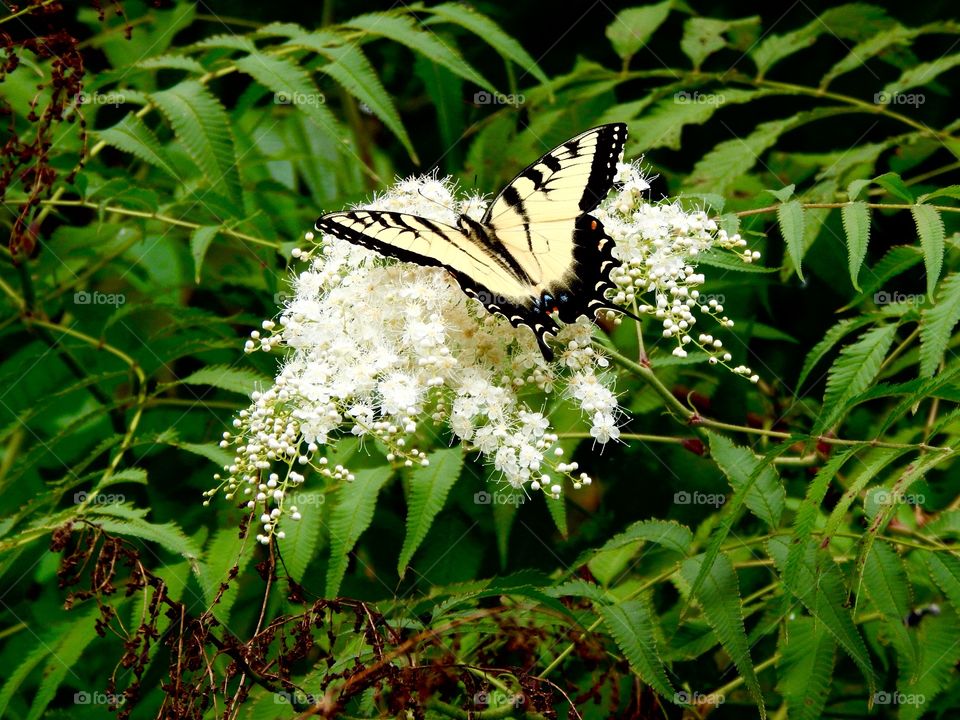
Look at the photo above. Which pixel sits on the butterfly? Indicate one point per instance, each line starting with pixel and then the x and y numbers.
pixel 536 254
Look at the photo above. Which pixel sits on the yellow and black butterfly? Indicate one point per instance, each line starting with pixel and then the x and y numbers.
pixel 536 253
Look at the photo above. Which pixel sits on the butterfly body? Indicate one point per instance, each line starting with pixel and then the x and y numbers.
pixel 536 254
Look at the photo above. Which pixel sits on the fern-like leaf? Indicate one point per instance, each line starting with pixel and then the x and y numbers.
pixel 302 537
pixel 766 496
pixel 856 225
pixel 853 372
pixel 225 377
pixel 634 627
pixel 937 323
pixel 203 127
pixel 131 135
pixel 200 240
pixel 429 487
pixel 885 581
pixel 353 513
pixel 790 217
pixel 930 229
pixel 807 656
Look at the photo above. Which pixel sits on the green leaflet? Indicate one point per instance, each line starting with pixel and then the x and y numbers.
pixel 834 335
pixel 856 225
pixel 821 589
pixel 765 495
pixel 239 380
pixel 853 371
pixel 200 240
pixel 403 30
pixel 944 568
pixel 935 670
pixel 303 537
pixel 352 514
pixel 487 30
pixel 631 28
pixel 922 74
pixel 703 36
pixel 131 135
pixel 223 552
pixel 897 260
pixel 930 229
pixel 202 125
pixel 807 655
pixel 937 324
pixel 428 490
pixel 608 560
pixel 168 535
pixel 635 628
pixel 790 216
pixel 719 600
pixel 885 580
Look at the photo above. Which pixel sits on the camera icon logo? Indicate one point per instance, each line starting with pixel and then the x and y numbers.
pixel 282 98
pixel 482 498
pixel 82 297
pixel 681 497
pixel 482 97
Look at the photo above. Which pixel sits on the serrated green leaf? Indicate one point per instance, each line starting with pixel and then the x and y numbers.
pixel 830 338
pixel 885 581
pixel 921 74
pixel 853 371
pixel 634 627
pixel 935 670
pixel 821 590
pixel 168 535
pixel 937 324
pixel 202 125
pixel 790 216
pixel 631 28
pixel 301 540
pixel 703 36
pixel 172 62
pixel 200 240
pixel 856 225
pixel 223 552
pixel 807 655
pixel 610 559
pixel 351 515
pixel 944 568
pixel 401 29
pixel 351 68
pixel 238 380
pixel 765 495
pixel 131 135
pixel 950 191
pixel 930 229
pixel 783 194
pixel 897 260
pixel 893 184
pixel 558 512
pixel 488 31
pixel 719 600
pixel 729 261
pixel 429 487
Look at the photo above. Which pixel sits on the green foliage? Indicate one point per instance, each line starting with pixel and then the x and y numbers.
pixel 739 536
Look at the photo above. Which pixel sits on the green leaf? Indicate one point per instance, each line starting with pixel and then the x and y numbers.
pixel 856 225
pixel 886 583
pixel 292 85
pixel 922 74
pixel 200 240
pixel 558 513
pixel 202 125
pixel 429 487
pixel 783 194
pixel 703 36
pixel 223 552
pixel 806 518
pixel 937 324
pixel 131 135
pixel 607 561
pixel 488 31
pixel 634 627
pixel 172 62
pixel 168 535
pixel 719 599
pixel 730 261
pixel 897 260
pixel 301 539
pixel 936 668
pixel 830 338
pixel 893 184
pixel 631 28
pixel 403 30
pixel 352 514
pixel 225 377
pixel 765 495
pixel 791 220
pixel 822 592
pixel 351 68
pixel 930 229
pixel 950 191
pixel 805 669
pixel 853 371
pixel 944 568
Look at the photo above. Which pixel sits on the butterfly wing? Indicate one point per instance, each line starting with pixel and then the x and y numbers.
pixel 481 271
pixel 542 220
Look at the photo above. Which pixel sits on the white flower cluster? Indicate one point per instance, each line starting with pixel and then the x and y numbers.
pixel 398 353
pixel 658 247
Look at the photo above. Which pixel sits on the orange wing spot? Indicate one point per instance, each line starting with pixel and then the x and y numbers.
pixel 593 224
pixel 555 309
